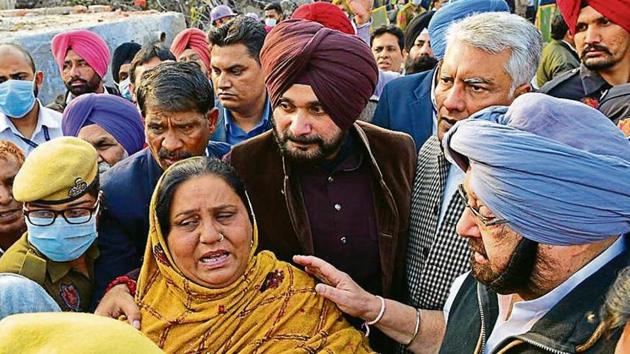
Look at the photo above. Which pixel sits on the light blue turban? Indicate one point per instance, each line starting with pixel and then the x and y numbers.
pixel 455 11
pixel 557 170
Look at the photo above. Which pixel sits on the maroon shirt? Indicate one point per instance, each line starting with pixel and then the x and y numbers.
pixel 340 207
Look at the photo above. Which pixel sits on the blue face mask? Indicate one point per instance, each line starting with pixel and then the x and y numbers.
pixel 17 98
pixel 123 87
pixel 61 241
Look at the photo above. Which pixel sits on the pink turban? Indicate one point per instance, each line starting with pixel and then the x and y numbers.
pixel 88 45
pixel 195 39
pixel 618 11
pixel 340 68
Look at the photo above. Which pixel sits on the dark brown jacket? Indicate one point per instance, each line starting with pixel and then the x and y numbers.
pixel 283 220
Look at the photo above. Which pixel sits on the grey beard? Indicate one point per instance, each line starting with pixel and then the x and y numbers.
pixel 103 166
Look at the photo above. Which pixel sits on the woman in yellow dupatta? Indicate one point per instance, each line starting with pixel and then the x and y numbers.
pixel 202 287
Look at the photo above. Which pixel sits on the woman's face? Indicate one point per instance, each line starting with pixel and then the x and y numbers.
pixel 202 209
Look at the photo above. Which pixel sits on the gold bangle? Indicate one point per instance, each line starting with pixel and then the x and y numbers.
pixel 415 331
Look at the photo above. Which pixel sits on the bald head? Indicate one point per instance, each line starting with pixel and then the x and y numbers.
pixel 16 50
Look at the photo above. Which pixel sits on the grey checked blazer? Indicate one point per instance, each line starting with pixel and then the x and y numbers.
pixel 435 257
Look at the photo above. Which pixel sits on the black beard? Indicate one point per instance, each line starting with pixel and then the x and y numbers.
pixel 90 86
pixel 420 64
pixel 516 276
pixel 325 150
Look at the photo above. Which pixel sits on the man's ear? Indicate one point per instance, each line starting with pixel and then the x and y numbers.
pixel 132 89
pixel 524 88
pixel 39 80
pixel 213 117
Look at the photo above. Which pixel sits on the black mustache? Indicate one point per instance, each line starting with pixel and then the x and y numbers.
pixel 173 155
pixel 594 47
pixel 302 139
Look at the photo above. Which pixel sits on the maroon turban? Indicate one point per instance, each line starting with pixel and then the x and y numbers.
pixel 195 39
pixel 325 13
pixel 339 68
pixel 618 11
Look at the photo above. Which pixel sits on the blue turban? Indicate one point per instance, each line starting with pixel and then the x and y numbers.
pixel 557 170
pixel 114 114
pixel 455 11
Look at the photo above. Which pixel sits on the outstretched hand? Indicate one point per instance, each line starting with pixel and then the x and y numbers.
pixel 339 288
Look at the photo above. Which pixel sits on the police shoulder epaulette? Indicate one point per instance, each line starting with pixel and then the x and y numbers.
pixel 561 78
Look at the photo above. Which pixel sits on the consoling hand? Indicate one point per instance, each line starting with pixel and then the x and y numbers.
pixel 117 302
pixel 339 288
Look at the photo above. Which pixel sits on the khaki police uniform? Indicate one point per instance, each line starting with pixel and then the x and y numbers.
pixel 70 288
pixel 56 172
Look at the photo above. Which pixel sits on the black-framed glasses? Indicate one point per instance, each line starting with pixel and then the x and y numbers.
pixel 485 221
pixel 73 216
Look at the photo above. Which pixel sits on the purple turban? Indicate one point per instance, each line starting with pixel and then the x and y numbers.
pixel 114 114
pixel 340 68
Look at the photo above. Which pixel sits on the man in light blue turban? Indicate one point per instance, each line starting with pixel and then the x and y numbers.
pixel 547 191
pixel 547 195
pixel 562 176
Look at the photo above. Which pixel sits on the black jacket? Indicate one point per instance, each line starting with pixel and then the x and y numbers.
pixel 568 324
pixel 60 103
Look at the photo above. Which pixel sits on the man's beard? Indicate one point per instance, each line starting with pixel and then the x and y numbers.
pixel 325 148
pixel 597 63
pixel 89 86
pixel 420 64
pixel 516 276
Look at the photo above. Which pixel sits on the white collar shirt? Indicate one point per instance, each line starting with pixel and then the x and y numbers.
pixel 48 127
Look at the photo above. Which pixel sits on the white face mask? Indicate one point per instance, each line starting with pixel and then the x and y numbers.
pixel 123 87
pixel 270 22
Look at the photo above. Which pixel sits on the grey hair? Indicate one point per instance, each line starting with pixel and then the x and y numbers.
pixel 494 32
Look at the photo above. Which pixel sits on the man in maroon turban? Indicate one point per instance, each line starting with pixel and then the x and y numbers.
pixel 322 182
pixel 601 30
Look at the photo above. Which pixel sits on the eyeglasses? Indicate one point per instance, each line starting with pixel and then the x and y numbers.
pixel 485 221
pixel 73 216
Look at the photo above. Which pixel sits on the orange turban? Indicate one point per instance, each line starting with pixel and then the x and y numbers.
pixel 340 68
pixel 618 11
pixel 195 39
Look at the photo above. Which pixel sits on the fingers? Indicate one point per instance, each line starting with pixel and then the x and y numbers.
pixel 118 301
pixel 344 299
pixel 323 270
pixel 131 310
pixel 333 294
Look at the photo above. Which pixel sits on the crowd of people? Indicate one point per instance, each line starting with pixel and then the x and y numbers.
pixel 309 182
